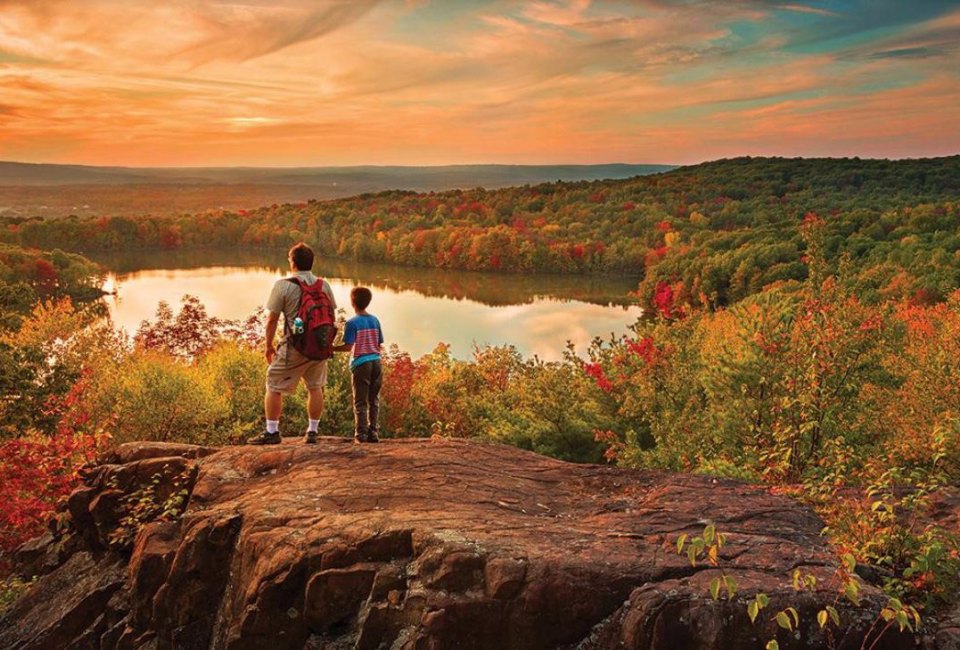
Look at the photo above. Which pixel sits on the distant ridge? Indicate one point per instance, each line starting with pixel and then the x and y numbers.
pixel 362 178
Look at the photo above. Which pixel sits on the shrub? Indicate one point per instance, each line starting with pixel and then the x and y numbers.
pixel 37 472
pixel 155 397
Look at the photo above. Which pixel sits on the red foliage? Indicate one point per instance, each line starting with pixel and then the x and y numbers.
pixel 645 349
pixel 812 219
pixel 37 472
pixel 171 237
pixel 665 301
pixel 654 255
pixel 420 240
pixel 46 274
pixel 613 442
pixel 629 205
pixel 595 370
pixel 400 375
pixel 664 226
pixel 577 251
pixel 923 297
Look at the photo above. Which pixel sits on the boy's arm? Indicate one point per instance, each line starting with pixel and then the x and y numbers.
pixel 349 338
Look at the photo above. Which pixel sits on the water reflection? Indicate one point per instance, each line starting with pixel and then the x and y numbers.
pixel 418 307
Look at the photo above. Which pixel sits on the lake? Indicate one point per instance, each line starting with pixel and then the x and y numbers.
pixel 418 308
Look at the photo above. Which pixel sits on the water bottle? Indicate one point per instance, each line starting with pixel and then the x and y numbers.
pixel 298 325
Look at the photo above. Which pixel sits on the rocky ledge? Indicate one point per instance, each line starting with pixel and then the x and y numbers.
pixel 413 545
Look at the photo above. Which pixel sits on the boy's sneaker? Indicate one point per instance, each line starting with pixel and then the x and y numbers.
pixel 361 437
pixel 310 438
pixel 373 437
pixel 265 438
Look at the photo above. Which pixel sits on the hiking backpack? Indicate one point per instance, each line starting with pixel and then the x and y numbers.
pixel 314 337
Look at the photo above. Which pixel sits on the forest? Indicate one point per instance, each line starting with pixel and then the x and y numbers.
pixel 803 334
pixel 715 233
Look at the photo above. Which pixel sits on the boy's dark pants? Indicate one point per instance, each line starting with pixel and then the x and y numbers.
pixel 366 380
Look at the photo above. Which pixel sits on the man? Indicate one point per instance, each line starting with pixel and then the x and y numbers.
pixel 286 364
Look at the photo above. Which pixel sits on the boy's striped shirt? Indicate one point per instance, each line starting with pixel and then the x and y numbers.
pixel 365 335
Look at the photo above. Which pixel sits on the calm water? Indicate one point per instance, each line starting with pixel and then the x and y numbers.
pixel 418 307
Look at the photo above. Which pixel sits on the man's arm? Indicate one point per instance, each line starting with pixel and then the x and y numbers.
pixel 272 319
pixel 327 289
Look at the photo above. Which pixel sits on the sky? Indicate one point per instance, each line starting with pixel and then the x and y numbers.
pixel 428 82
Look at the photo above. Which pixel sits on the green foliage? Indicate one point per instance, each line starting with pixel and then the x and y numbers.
pixel 11 588
pixel 337 416
pixel 718 232
pixel 238 374
pixel 43 363
pixel 29 274
pixel 163 499
pixel 551 408
pixel 154 397
pixel 845 581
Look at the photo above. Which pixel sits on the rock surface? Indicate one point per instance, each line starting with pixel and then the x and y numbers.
pixel 419 544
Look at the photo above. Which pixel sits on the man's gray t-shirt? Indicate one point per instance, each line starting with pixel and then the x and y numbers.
pixel 285 296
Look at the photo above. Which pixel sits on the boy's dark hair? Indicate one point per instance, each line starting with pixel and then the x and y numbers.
pixel 361 297
pixel 302 256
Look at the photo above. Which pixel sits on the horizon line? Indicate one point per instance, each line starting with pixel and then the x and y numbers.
pixel 474 164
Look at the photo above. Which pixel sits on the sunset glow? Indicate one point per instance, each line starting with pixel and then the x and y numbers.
pixel 298 82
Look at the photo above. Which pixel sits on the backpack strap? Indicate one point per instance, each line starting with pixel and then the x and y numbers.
pixel 287 329
pixel 303 285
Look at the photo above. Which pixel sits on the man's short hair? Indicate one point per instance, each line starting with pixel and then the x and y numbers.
pixel 301 256
pixel 361 297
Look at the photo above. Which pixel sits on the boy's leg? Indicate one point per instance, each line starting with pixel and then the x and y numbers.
pixel 376 381
pixel 360 381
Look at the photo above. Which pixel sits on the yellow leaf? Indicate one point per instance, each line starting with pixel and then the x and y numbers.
pixel 783 621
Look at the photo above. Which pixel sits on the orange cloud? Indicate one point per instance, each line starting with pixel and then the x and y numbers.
pixel 299 82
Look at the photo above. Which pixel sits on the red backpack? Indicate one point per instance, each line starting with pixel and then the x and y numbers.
pixel 314 334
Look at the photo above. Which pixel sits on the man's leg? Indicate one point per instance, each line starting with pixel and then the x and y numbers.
pixel 272 406
pixel 315 377
pixel 314 403
pixel 314 411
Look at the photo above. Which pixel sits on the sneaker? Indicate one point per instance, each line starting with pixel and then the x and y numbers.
pixel 360 437
pixel 373 437
pixel 265 438
pixel 310 438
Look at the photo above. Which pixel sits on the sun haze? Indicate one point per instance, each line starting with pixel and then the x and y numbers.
pixel 297 82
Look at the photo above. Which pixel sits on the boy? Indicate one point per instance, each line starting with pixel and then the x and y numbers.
pixel 364 336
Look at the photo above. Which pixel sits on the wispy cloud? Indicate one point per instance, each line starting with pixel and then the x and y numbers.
pixel 337 81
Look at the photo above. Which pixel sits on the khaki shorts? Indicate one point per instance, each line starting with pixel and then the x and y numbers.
pixel 289 366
